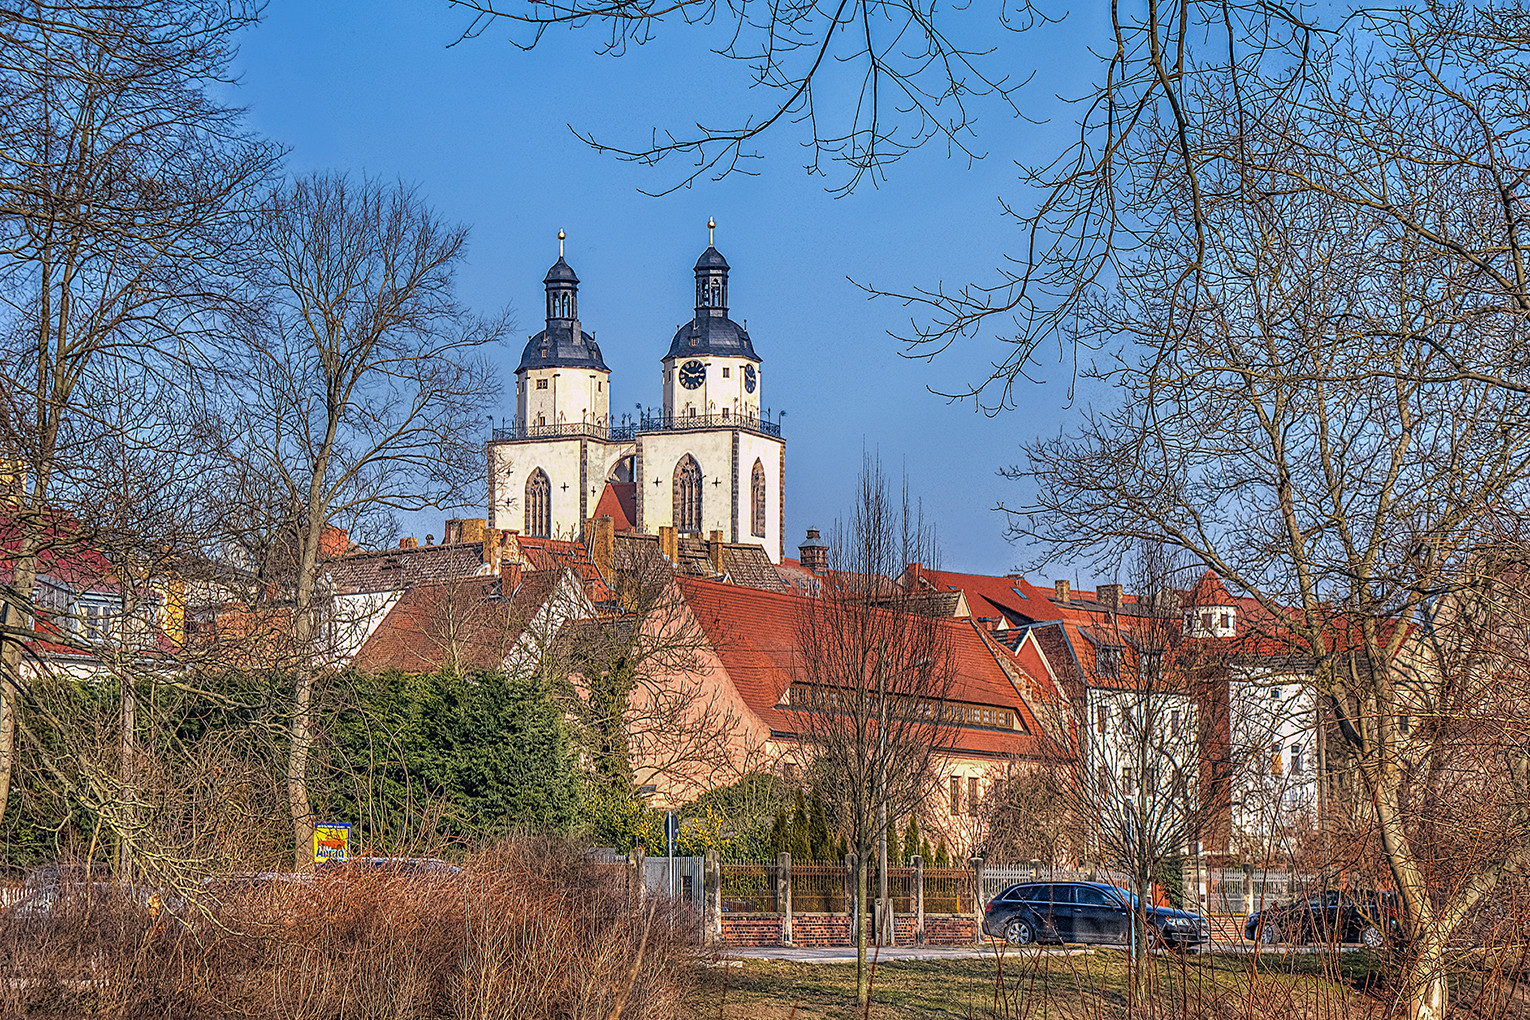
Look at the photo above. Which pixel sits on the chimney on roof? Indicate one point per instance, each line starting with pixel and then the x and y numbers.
pixel 813 553
pixel 471 529
pixel 491 549
pixel 333 542
pixel 915 574
pixel 409 543
pixel 453 533
pixel 1061 588
pixel 714 552
pixel 603 548
pixel 669 542
pixel 1109 595
pixel 988 622
pixel 510 579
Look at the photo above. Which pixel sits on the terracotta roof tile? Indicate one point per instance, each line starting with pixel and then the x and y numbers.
pixel 466 619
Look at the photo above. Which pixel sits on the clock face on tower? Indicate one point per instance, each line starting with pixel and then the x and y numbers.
pixel 692 374
pixel 749 378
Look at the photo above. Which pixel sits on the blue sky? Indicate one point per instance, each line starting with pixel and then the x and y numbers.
pixel 483 129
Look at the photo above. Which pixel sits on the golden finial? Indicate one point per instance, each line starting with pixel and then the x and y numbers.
pixel 711 226
pixel 561 236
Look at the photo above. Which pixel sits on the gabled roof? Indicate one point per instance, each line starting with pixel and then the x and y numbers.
pixel 1208 591
pixel 618 501
pixel 392 569
pixel 464 621
pixel 756 635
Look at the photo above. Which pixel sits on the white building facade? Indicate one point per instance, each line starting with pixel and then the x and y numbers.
pixel 707 461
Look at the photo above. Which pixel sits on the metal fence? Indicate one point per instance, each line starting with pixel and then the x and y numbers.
pixel 749 887
pixel 948 890
pixel 1245 890
pixel 683 875
pixel 819 889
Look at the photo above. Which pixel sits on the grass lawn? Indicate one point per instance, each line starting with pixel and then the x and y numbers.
pixel 1091 986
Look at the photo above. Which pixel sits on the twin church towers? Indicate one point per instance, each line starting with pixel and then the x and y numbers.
pixel 707 462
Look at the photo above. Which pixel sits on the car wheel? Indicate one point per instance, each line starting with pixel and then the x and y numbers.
pixel 1269 934
pixel 1018 932
pixel 1371 937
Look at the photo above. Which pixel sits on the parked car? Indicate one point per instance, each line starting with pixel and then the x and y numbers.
pixel 1367 917
pixel 1088 912
pixel 407 866
pixel 72 903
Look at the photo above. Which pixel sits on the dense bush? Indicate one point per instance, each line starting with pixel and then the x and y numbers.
pixel 528 929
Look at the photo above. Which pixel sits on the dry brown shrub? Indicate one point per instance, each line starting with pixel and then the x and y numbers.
pixel 529 928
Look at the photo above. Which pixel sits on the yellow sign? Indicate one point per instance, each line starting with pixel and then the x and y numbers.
pixel 330 842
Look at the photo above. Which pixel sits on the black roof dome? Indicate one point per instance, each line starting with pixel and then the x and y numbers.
pixel 563 344
pixel 711 332
pixel 561 272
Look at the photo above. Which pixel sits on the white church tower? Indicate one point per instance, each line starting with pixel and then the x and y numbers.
pixel 708 464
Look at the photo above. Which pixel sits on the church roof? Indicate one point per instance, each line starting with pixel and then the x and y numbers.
pixel 561 272
pixel 711 259
pixel 708 334
pixel 562 345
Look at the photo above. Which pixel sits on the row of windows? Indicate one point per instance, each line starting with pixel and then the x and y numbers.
pixel 1129 720
pixel 687 500
pixel 974 801
pixel 992 716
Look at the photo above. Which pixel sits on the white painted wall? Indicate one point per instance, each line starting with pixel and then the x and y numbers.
pixel 717 393
pixel 572 395
pixel 1274 740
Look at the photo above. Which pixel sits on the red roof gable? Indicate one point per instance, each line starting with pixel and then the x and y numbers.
pixel 756 636
pixel 618 501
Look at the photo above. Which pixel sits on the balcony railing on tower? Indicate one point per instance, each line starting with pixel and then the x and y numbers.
pixel 628 429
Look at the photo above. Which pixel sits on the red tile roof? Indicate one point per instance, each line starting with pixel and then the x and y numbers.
pixel 756 635
pixel 431 624
pixel 618 501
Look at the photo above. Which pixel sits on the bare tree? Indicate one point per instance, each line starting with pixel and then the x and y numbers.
pixel 364 391
pixel 1302 424
pixel 123 187
pixel 869 700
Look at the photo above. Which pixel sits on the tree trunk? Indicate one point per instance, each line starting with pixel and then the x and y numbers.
pixel 13 619
pixel 862 976
pixel 129 793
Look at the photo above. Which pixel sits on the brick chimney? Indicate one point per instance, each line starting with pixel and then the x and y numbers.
pixel 409 543
pixel 915 574
pixel 669 542
pixel 491 549
pixel 471 529
pixel 714 552
pixel 813 553
pixel 509 579
pixel 1109 595
pixel 333 542
pixel 1061 587
pixel 603 547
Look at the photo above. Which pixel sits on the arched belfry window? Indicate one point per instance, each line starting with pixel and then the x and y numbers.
pixel 539 505
pixel 757 501
pixel 688 495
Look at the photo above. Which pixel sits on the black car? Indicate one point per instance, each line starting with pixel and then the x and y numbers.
pixel 1369 918
pixel 1092 912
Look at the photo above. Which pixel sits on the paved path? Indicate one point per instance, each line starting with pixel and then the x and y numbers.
pixel 846 954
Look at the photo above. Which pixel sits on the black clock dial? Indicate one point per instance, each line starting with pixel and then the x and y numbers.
pixel 692 374
pixel 749 378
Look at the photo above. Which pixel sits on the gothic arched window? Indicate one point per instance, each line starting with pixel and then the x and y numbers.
pixel 539 505
pixel 688 495
pixel 757 501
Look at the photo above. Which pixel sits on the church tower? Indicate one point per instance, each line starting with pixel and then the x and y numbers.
pixel 561 380
pixel 711 370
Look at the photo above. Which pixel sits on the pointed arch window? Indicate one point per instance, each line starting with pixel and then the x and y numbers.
pixel 688 495
pixel 757 501
pixel 539 505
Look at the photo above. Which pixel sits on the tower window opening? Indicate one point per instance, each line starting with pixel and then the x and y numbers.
pixel 725 371
pixel 757 501
pixel 687 501
pixel 541 384
pixel 539 504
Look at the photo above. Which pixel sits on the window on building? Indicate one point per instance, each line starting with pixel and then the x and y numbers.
pixel 1174 721
pixel 725 371
pixel 757 500
pixel 1102 719
pixel 725 412
pixel 539 504
pixel 541 384
pixel 1296 759
pixel 1126 780
pixel 599 386
pixel 972 796
pixel 1108 659
pixel 956 795
pixel 1404 724
pixel 687 508
pixel 1277 766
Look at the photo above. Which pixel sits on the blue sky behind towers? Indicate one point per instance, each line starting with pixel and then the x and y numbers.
pixel 483 129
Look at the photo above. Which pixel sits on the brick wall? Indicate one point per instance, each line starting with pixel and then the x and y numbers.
pixel 751 929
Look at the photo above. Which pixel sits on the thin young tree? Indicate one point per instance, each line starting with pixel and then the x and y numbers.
pixel 365 387
pixel 869 697
pixel 125 181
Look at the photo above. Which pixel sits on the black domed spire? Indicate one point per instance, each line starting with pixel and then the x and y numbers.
pixel 563 343
pixel 711 284
pixel 711 331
